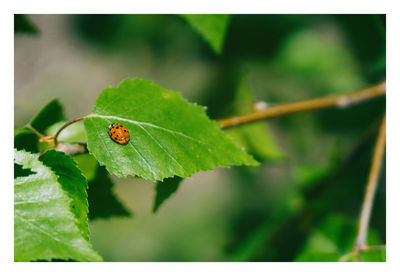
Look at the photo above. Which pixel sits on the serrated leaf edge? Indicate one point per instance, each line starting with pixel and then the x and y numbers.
pixel 68 199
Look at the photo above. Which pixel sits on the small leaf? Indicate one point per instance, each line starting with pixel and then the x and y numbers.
pixel 164 189
pixel 102 201
pixel 26 139
pixel 45 228
pixel 211 26
pixel 72 182
pixel 87 164
pixel 168 135
pixel 319 248
pixel 48 115
pixel 20 171
pixel 23 25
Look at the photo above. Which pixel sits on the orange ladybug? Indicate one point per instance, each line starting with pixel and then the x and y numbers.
pixel 119 133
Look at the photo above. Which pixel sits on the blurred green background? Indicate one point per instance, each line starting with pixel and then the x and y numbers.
pixel 302 203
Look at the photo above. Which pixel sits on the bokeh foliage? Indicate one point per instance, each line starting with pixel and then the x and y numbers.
pixel 303 202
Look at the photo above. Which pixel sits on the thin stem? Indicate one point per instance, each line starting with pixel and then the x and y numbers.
pixel 342 101
pixel 375 247
pixel 372 184
pixel 64 126
pixel 34 131
pixel 356 256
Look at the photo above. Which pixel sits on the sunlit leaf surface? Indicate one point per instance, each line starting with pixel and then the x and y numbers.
pixel 45 226
pixel 168 135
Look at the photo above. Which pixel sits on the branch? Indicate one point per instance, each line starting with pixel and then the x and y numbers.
pixel 64 126
pixel 68 148
pixel 341 101
pixel 372 184
pixel 353 255
pixel 264 112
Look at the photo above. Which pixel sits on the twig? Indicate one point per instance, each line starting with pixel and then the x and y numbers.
pixel 72 148
pixel 379 150
pixel 343 100
pixel 266 112
pixel 34 131
pixel 375 247
pixel 64 126
pixel 354 255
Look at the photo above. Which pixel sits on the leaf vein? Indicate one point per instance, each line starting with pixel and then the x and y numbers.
pixel 141 156
pixel 28 202
pixel 41 230
pixel 137 106
pixel 148 124
pixel 108 151
pixel 156 141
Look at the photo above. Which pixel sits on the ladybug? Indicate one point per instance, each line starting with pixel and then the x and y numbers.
pixel 119 133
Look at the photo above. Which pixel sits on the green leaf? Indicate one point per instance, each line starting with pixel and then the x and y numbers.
pixel 72 182
pixel 255 137
pixel 18 130
pixel 333 237
pixel 168 135
pixel 26 139
pixel 45 227
pixel 20 171
pixel 87 164
pixel 212 27
pixel 319 248
pixel 23 25
pixel 48 115
pixel 102 201
pixel 164 189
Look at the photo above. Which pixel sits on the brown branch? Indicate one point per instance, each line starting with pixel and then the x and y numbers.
pixel 372 183
pixel 264 112
pixel 341 101
pixel 64 126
